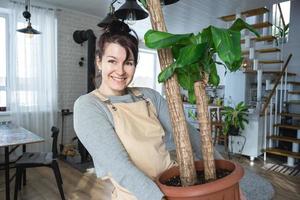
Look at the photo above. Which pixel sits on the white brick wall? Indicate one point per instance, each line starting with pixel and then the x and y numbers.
pixel 72 79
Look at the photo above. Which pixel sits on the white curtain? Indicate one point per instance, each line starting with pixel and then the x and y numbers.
pixel 33 73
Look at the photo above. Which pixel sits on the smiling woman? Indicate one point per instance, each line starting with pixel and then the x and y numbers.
pixel 126 130
pixel 117 70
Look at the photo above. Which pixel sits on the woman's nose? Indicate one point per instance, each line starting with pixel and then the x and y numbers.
pixel 120 69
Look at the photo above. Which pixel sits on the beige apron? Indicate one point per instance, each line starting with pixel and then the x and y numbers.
pixel 142 136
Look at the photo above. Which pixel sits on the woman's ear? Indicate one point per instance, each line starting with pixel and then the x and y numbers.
pixel 98 63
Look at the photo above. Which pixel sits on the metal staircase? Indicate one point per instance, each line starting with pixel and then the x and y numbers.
pixel 279 98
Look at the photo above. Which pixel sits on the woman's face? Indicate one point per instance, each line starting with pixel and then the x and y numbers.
pixel 117 72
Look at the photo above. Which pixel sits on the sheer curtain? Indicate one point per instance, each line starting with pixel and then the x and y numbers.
pixel 32 73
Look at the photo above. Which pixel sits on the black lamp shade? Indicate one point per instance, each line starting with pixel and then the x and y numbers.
pixel 107 20
pixel 131 6
pixel 29 30
pixel 168 2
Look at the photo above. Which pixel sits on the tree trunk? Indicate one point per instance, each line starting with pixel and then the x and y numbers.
pixel 205 130
pixel 180 131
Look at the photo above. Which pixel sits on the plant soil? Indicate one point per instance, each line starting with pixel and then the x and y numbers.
pixel 175 180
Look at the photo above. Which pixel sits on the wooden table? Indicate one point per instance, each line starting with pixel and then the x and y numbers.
pixel 13 135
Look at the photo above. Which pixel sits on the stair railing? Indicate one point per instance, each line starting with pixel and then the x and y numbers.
pixel 269 103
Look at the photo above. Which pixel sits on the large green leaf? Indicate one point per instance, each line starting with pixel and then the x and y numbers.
pixel 188 75
pixel 239 25
pixel 214 78
pixel 176 50
pixel 157 39
pixel 227 45
pixel 166 73
pixel 206 36
pixel 190 54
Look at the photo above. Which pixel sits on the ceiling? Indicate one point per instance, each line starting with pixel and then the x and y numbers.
pixel 181 17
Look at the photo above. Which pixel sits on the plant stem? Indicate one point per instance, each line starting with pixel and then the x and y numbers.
pixel 180 131
pixel 205 130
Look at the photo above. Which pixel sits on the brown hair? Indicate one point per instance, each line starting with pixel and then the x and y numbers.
pixel 118 32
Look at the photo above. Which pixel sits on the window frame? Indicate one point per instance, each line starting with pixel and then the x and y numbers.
pixel 5 88
pixel 156 70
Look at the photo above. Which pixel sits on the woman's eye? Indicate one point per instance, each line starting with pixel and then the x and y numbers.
pixel 112 61
pixel 129 63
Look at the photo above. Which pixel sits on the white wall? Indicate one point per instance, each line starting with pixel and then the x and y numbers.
pixel 72 79
pixel 293 45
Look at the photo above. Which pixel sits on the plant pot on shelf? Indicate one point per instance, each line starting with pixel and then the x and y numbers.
pixel 226 188
pixel 233 131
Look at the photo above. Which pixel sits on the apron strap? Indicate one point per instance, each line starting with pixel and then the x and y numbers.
pixel 103 98
pixel 98 94
pixel 136 92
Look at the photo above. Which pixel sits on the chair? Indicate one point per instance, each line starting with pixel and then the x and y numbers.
pixel 39 159
pixel 217 127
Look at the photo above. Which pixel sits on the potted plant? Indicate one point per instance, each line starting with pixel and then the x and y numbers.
pixel 281 34
pixel 190 60
pixel 235 118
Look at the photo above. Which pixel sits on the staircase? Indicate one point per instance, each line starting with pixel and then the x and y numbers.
pixel 280 100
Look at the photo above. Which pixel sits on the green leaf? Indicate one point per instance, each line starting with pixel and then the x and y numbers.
pixel 240 24
pixel 176 50
pixel 144 3
pixel 166 73
pixel 192 97
pixel 190 54
pixel 214 78
pixel 158 39
pixel 227 45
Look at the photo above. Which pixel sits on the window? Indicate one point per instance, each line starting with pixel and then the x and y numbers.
pixel 3 61
pixel 147 70
pixel 281 22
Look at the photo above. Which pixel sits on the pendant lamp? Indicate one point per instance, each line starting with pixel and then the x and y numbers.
pixel 110 17
pixel 130 10
pixel 27 15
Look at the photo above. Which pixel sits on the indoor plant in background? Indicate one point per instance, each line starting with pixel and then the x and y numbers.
pixel 190 60
pixel 235 118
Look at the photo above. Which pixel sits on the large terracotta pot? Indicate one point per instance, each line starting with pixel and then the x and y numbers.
pixel 226 188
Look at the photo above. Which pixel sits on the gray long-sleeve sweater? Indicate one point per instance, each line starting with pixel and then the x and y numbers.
pixel 94 126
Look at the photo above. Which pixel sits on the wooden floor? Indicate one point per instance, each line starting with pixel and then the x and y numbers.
pixel 41 184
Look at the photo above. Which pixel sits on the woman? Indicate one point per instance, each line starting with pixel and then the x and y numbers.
pixel 126 130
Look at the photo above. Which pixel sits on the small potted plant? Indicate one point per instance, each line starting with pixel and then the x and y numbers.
pixel 235 118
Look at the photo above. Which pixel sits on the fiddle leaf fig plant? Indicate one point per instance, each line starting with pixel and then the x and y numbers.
pixel 195 55
pixel 195 64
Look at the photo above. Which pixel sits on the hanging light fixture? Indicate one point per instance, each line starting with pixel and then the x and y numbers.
pixel 27 15
pixel 110 17
pixel 131 11
pixel 167 2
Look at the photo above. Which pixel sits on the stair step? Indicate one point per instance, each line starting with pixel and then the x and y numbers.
pixel 247 13
pixel 293 115
pixel 293 82
pixel 285 139
pixel 268 38
pixel 270 61
pixel 261 25
pixel 269 72
pixel 282 152
pixel 294 92
pixel 292 102
pixel 288 126
pixel 267 50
